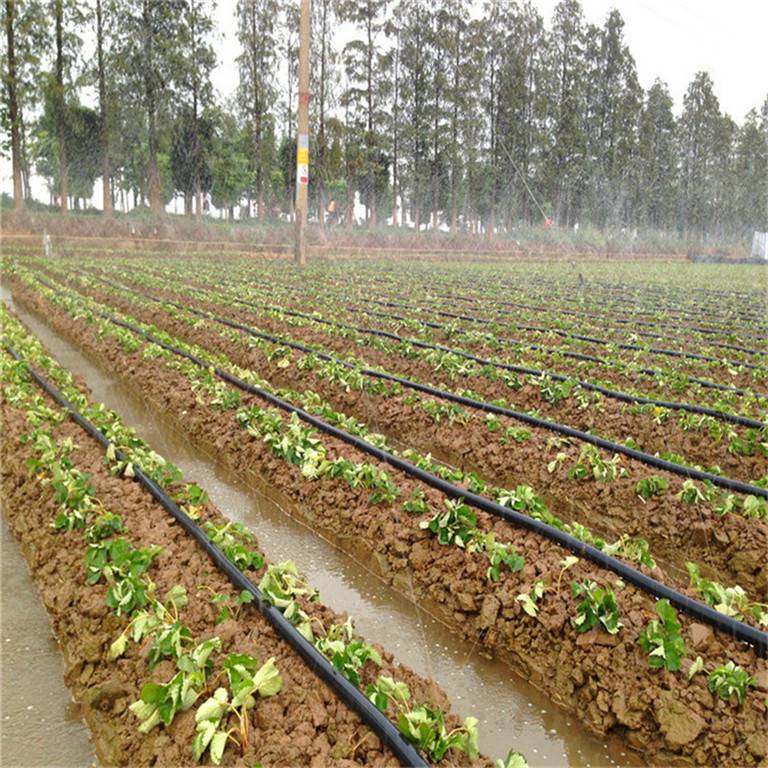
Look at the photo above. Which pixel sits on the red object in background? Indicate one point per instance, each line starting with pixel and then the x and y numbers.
pixel 547 223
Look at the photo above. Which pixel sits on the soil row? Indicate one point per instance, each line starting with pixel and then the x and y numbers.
pixel 608 417
pixel 657 387
pixel 603 679
pixel 730 547
pixel 305 724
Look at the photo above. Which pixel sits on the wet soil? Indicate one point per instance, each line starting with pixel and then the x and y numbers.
pixel 603 679
pixel 731 546
pixel 40 724
pixel 476 684
pixel 305 724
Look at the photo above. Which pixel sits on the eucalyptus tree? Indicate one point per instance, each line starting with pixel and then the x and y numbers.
pixel 366 96
pixel 256 92
pixel 656 193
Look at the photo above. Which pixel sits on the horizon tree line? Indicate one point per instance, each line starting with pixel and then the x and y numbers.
pixel 429 115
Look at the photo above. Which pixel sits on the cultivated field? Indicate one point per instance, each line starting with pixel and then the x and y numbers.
pixel 564 464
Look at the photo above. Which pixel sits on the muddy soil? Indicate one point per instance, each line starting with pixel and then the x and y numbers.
pixel 731 545
pixel 305 724
pixel 603 679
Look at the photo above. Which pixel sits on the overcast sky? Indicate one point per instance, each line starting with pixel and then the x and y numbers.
pixel 670 39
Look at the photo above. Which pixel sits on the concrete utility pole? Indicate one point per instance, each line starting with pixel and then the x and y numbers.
pixel 302 138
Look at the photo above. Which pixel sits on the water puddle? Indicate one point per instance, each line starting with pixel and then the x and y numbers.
pixel 511 712
pixel 40 723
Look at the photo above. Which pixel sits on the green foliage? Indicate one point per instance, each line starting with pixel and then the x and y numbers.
pixel 661 639
pixel 729 679
pixel 160 703
pixel 456 525
pixel 651 486
pixel 529 600
pixel 123 568
pixel 234 540
pixel 731 601
pixel 347 654
pixel 598 606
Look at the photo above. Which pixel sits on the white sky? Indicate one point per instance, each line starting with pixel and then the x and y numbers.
pixel 670 39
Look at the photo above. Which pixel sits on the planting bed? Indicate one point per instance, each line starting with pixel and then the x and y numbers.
pixel 609 549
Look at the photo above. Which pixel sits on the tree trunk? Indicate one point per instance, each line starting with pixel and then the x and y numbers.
pixel 13 106
pixel 153 177
pixel 106 192
pixel 60 106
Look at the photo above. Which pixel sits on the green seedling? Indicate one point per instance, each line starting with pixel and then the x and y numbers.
pixel 456 525
pixel 729 679
pixel 347 654
pixel 662 640
pixel 598 606
pixel 160 703
pixel 235 540
pixel 247 680
pixel 528 600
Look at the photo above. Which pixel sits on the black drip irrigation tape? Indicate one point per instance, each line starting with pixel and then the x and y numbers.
pixel 646 458
pixel 648 334
pixel 736 629
pixel 541 348
pixel 564 334
pixel 317 663
pixel 519 369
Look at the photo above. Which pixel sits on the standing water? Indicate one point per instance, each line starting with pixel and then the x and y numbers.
pixel 512 713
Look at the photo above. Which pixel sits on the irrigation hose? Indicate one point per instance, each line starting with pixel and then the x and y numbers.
pixel 626 397
pixel 346 691
pixel 563 429
pixel 736 629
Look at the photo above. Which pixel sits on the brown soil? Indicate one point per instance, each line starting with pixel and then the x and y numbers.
pixel 731 546
pixel 305 724
pixel 603 679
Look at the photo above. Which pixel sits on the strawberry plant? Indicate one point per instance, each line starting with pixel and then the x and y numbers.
pixel 347 654
pixel 247 680
pixel 282 586
pixel 456 525
pixel 731 601
pixel 106 525
pixel 162 623
pixel 632 548
pixel 123 568
pixel 729 679
pixel 651 486
pixel 422 725
pixel 591 464
pixel 512 760
pixel 528 600
pixel 661 639
pixel 417 504
pixel 159 703
pixel 229 608
pixel 234 540
pixel 598 606
pixel 499 555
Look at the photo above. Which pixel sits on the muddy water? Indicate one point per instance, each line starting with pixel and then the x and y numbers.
pixel 511 713
pixel 40 724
